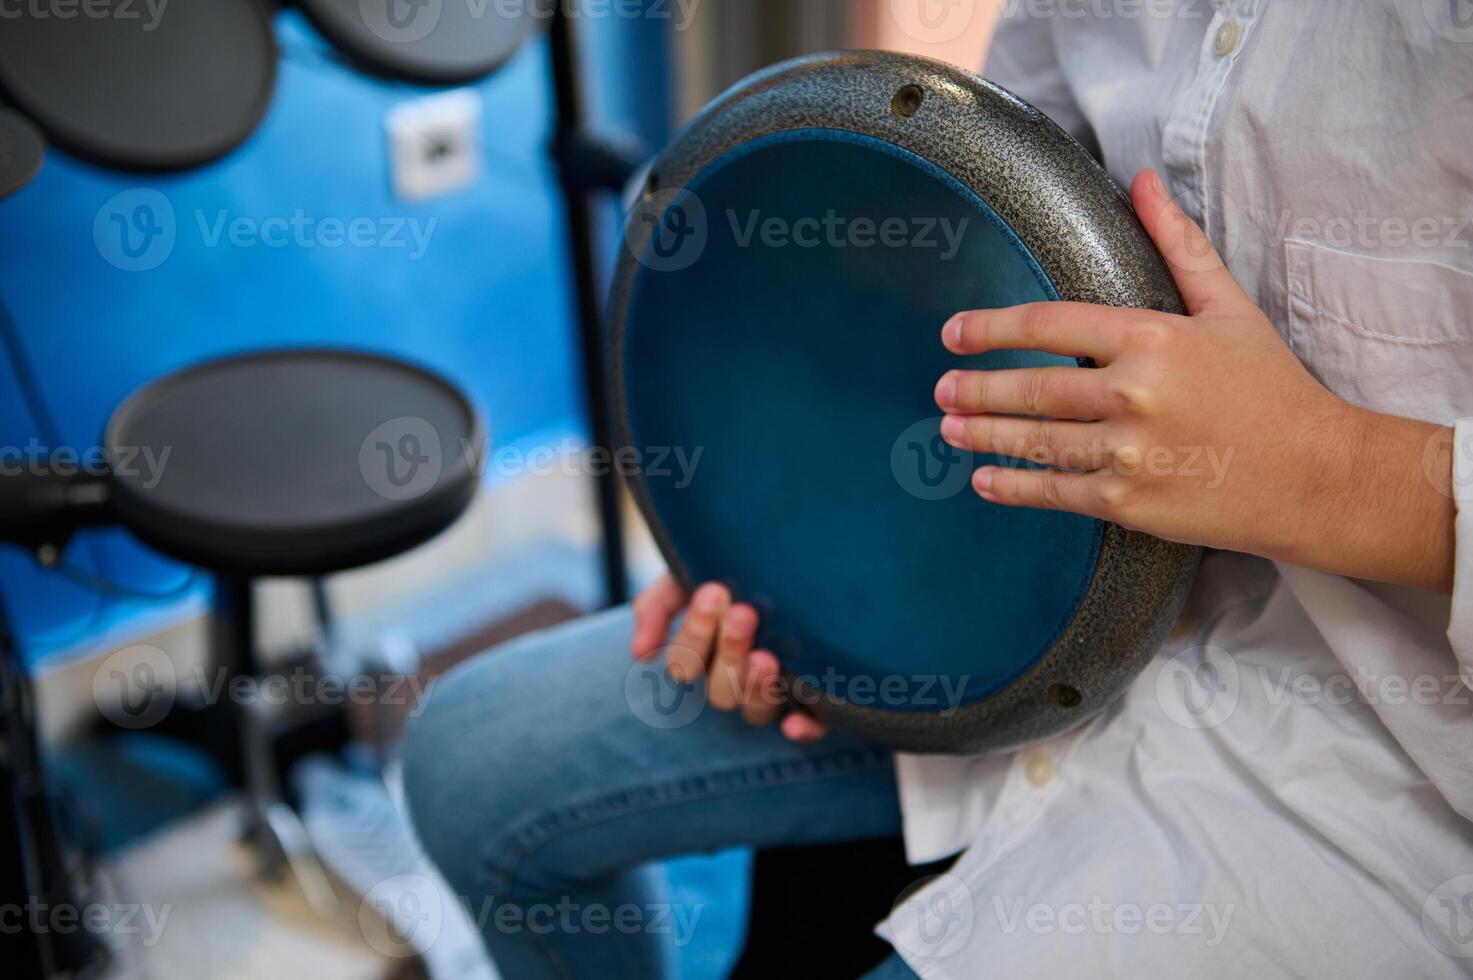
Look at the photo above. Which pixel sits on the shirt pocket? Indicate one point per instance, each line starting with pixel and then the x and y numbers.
pixel 1390 335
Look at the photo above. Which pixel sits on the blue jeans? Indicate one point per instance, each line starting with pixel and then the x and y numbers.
pixel 545 776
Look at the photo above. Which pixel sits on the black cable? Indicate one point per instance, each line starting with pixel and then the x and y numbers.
pixel 101 586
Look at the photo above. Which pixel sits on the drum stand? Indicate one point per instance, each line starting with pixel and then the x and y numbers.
pixel 590 165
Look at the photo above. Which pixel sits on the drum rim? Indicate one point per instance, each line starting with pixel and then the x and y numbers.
pixel 1082 231
pixel 27 133
pixel 83 144
pixel 240 547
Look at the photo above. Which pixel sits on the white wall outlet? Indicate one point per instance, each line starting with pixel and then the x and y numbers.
pixel 434 144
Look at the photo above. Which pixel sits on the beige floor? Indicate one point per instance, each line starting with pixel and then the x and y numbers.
pixel 220 921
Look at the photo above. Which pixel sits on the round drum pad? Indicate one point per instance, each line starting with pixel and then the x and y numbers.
pixel 293 462
pixel 21 151
pixel 142 86
pixel 777 316
pixel 436 42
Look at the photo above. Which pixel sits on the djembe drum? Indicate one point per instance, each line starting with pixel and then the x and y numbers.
pixel 778 308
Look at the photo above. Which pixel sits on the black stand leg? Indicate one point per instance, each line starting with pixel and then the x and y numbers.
pixel 33 872
pixel 272 827
pixel 576 202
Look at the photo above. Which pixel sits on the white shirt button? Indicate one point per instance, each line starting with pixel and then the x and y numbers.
pixel 1228 36
pixel 1039 768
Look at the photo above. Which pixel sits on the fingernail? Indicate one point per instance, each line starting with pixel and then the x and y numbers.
pixel 946 391
pixel 954 430
pixel 708 599
pixel 952 332
pixel 1157 183
pixel 983 480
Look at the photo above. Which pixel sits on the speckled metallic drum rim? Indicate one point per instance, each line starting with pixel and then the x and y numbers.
pixel 1082 230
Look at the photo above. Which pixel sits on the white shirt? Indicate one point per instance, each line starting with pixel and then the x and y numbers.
pixel 1288 790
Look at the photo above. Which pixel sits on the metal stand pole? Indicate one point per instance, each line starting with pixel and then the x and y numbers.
pixel 569 134
pixel 35 874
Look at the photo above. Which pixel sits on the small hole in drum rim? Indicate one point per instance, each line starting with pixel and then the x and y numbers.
pixel 1065 696
pixel 908 101
pixel 653 187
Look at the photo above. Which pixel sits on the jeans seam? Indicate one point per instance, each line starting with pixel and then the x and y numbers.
pixel 501 859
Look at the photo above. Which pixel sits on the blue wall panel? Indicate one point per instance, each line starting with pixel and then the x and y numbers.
pixel 486 302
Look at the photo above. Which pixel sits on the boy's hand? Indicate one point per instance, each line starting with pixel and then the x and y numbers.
pixel 1203 429
pixel 716 640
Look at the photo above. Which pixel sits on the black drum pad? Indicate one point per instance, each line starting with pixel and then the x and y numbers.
pixel 436 42
pixel 297 462
pixel 139 86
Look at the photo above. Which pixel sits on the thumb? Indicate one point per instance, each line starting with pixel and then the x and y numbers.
pixel 1201 276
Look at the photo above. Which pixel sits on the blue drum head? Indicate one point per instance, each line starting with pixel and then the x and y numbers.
pixel 777 318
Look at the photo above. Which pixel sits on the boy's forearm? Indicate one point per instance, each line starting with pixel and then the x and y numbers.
pixel 1381 504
